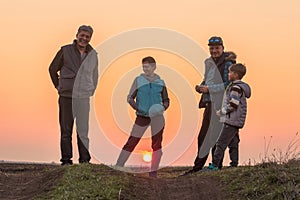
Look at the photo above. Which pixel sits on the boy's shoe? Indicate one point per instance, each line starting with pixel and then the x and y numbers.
pixel 153 174
pixel 212 167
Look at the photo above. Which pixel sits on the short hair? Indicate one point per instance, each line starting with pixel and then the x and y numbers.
pixel 238 68
pixel 85 28
pixel 149 60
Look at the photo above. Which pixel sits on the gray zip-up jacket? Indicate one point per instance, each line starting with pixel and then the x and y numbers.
pixel 235 103
pixel 78 75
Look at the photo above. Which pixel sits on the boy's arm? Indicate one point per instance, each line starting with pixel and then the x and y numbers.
pixel 234 100
pixel 165 98
pixel 132 94
pixel 55 66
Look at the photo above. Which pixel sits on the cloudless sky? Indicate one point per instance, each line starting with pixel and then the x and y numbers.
pixel 264 35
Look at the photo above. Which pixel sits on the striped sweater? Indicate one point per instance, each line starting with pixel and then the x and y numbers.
pixel 234 105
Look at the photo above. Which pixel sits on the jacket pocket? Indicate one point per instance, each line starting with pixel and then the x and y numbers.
pixel 66 84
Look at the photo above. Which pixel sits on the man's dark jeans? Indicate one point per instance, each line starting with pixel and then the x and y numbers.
pixel 81 109
pixel 205 128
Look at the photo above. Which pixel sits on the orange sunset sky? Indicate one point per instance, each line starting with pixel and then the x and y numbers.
pixel 264 35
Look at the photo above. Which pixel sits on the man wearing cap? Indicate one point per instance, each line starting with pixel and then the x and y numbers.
pixel 74 73
pixel 212 89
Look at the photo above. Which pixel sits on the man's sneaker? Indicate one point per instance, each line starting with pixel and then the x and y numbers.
pixel 212 167
pixel 67 162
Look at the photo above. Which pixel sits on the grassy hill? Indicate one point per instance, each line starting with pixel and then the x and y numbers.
pixel 264 181
pixel 89 181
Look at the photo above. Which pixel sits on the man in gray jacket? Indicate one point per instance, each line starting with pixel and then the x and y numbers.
pixel 77 64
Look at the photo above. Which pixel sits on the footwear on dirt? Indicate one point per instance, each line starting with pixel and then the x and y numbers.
pixel 67 162
pixel 212 167
pixel 153 174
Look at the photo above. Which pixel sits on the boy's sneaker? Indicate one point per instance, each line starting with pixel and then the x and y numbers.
pixel 212 167
pixel 153 174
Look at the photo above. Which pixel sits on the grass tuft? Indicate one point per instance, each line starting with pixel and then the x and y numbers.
pixel 89 181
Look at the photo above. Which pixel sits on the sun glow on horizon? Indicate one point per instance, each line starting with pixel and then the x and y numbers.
pixel 147 156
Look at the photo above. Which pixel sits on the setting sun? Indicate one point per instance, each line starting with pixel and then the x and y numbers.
pixel 147 156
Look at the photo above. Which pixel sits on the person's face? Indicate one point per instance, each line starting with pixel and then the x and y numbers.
pixel 148 69
pixel 232 76
pixel 83 38
pixel 216 51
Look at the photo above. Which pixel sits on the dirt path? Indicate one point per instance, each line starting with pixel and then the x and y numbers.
pixel 171 187
pixel 24 181
pixel 190 188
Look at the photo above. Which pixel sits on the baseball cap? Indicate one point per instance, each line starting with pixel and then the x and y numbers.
pixel 215 40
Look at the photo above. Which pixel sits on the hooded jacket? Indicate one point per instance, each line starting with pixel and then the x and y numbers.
pixel 151 96
pixel 235 103
pixel 216 78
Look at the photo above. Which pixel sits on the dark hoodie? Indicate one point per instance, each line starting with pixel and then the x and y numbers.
pixel 235 103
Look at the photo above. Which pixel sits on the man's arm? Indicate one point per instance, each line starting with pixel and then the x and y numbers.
pixel 55 66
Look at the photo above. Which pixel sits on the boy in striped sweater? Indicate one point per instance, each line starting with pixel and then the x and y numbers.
pixel 233 113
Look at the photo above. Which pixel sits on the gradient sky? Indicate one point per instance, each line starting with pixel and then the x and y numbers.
pixel 264 35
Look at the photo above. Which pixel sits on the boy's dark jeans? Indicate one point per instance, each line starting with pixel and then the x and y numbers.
pixel 229 138
pixel 66 121
pixel 141 124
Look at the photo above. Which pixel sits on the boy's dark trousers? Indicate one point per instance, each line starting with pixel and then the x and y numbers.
pixel 206 121
pixel 141 124
pixel 81 109
pixel 229 137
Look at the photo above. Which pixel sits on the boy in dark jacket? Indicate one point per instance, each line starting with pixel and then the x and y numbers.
pixel 233 113
pixel 149 97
